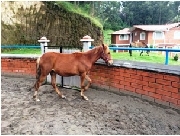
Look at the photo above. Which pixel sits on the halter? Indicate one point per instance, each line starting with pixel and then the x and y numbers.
pixel 104 57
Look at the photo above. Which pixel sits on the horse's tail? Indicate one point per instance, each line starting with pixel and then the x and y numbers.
pixel 38 70
pixel 38 73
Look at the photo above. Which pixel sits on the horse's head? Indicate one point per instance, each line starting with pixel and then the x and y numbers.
pixel 106 55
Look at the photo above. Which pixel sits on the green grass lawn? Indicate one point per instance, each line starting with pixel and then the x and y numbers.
pixel 22 51
pixel 153 58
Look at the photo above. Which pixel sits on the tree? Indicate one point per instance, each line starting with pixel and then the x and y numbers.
pixel 116 15
pixel 148 12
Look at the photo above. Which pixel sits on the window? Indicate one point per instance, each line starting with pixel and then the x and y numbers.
pixel 123 37
pixel 158 35
pixel 142 36
pixel 177 35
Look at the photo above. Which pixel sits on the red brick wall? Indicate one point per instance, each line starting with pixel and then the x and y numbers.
pixel 171 34
pixel 18 65
pixel 162 88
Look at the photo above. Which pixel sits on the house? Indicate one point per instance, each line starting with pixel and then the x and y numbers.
pixel 160 36
pixel 121 38
pixel 150 34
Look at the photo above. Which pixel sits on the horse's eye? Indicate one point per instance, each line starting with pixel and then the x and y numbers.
pixel 108 52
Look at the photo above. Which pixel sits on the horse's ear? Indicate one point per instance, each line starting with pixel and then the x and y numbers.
pixel 103 45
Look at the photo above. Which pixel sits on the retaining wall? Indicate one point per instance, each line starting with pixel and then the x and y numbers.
pixel 159 85
pixel 23 22
pixel 20 64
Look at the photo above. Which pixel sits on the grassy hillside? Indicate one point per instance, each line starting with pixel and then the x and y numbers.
pixel 72 8
pixel 107 36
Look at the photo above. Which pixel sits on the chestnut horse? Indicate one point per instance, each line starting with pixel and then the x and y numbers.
pixel 138 44
pixel 78 63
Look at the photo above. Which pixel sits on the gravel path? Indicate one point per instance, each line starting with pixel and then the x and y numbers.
pixel 104 113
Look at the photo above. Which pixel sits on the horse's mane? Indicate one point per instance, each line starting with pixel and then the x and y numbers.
pixel 78 53
pixel 95 50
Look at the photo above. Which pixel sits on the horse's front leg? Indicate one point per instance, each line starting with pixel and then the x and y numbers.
pixel 83 87
pixel 141 54
pixel 89 82
pixel 130 51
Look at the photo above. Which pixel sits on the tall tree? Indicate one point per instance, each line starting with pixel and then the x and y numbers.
pixel 116 15
pixel 148 12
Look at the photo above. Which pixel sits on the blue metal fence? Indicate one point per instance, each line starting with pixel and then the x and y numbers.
pixel 149 49
pixel 19 46
pixel 111 48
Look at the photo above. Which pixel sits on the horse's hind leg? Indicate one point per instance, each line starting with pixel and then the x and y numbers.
pixel 147 52
pixel 53 82
pixel 37 85
pixel 130 52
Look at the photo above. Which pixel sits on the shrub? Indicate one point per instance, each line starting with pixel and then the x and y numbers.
pixel 176 57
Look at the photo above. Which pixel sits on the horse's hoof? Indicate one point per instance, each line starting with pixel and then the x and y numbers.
pixel 37 100
pixel 63 97
pixel 85 98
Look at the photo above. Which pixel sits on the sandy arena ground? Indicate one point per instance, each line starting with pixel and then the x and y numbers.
pixel 104 113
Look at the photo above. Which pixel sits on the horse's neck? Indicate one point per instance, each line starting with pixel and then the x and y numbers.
pixel 94 54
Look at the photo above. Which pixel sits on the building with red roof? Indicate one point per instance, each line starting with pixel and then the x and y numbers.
pixel 156 35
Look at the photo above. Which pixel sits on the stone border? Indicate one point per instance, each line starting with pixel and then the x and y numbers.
pixel 171 69
pixel 19 56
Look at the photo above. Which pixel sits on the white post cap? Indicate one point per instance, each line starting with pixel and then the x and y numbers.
pixel 86 38
pixel 43 39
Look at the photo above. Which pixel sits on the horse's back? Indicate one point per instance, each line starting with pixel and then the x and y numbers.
pixel 48 57
pixel 47 61
pixel 62 63
pixel 53 57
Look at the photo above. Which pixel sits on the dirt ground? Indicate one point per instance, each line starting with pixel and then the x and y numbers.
pixel 104 113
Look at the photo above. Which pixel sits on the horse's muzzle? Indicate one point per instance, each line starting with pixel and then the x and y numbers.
pixel 109 62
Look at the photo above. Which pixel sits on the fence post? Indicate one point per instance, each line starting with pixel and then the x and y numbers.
pixel 86 42
pixel 167 58
pixel 43 42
